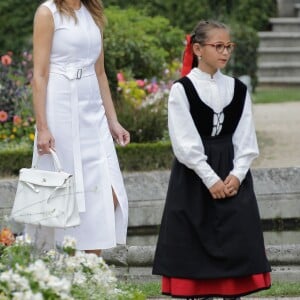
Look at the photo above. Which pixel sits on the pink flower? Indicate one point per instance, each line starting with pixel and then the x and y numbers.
pixel 140 82
pixel 120 77
pixel 3 116
pixel 17 120
pixel 152 88
pixel 6 60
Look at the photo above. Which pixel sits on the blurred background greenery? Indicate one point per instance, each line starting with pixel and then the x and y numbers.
pixel 143 44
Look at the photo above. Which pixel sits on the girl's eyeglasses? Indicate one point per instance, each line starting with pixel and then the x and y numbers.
pixel 220 47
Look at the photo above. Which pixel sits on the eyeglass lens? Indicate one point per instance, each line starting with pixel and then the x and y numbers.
pixel 220 47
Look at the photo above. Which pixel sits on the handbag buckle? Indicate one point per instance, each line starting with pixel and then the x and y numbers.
pixel 79 74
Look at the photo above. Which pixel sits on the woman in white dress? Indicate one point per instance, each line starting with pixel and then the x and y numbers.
pixel 75 116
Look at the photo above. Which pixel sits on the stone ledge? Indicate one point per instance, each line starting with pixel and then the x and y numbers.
pixel 142 256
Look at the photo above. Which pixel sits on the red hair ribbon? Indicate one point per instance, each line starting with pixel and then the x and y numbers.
pixel 188 57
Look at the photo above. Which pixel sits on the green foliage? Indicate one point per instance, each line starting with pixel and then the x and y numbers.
pixel 142 111
pixel 16 254
pixel 254 13
pixel 138 45
pixel 16 24
pixel 145 156
pixel 185 14
pixel 146 124
pixel 14 157
pixel 243 60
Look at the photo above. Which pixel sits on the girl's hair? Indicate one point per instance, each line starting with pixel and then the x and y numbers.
pixel 95 7
pixel 201 32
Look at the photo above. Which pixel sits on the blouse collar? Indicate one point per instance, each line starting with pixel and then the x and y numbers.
pixel 203 75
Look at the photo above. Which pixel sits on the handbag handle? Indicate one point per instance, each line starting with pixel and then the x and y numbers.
pixel 56 161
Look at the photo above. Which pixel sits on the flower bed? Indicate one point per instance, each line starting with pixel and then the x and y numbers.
pixel 26 272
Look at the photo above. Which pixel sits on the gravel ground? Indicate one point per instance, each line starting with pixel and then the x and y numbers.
pixel 278 133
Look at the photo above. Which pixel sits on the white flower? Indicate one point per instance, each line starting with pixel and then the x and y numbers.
pixel 59 284
pixel 14 281
pixel 39 271
pixel 23 239
pixel 69 242
pixel 79 278
pixel 28 295
pixel 52 254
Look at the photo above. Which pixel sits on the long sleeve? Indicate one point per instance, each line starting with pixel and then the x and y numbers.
pixel 244 142
pixel 186 141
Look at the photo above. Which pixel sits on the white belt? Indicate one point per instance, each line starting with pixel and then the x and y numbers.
pixel 74 74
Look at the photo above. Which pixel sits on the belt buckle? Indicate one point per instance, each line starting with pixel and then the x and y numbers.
pixel 79 74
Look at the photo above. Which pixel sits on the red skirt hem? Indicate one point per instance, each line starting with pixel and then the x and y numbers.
pixel 181 287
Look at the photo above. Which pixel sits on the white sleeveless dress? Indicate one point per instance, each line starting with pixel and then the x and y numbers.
pixel 84 145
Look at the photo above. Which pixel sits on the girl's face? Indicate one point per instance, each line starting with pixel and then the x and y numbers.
pixel 215 52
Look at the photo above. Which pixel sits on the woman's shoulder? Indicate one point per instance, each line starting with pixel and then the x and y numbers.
pixel 50 5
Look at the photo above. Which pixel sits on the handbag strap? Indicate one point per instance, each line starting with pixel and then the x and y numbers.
pixel 56 161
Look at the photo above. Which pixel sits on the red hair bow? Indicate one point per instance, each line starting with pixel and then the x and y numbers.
pixel 188 57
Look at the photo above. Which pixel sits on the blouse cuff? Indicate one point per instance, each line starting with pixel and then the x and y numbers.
pixel 240 174
pixel 207 174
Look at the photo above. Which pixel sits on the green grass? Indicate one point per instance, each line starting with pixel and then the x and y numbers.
pixel 276 94
pixel 278 289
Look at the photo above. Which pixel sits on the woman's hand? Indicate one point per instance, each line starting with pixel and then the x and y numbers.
pixel 232 185
pixel 45 141
pixel 217 191
pixel 119 134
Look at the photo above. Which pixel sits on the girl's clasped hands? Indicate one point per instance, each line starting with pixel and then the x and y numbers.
pixel 227 188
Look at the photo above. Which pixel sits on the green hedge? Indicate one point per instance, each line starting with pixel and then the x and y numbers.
pixel 134 157
pixel 145 157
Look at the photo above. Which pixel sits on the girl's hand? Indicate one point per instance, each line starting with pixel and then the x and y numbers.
pixel 217 191
pixel 120 135
pixel 232 185
pixel 45 141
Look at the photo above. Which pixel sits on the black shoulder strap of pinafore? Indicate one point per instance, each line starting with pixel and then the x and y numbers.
pixel 201 113
pixel 234 110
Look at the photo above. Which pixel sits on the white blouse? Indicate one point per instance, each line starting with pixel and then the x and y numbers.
pixel 216 92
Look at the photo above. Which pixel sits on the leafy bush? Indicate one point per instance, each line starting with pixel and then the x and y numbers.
pixel 145 156
pixel 16 24
pixel 246 17
pixel 139 45
pixel 244 58
pixel 185 14
pixel 142 105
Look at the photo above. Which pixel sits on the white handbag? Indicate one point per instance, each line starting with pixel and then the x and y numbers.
pixel 46 198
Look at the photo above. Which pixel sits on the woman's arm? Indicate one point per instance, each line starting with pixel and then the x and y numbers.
pixel 121 136
pixel 42 41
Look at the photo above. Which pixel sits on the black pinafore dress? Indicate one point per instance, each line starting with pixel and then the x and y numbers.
pixel 203 238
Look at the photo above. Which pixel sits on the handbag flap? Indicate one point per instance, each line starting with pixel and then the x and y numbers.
pixel 42 177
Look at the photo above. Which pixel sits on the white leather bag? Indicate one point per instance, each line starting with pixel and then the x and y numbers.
pixel 46 198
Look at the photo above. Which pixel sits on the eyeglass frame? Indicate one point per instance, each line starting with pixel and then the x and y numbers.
pixel 227 47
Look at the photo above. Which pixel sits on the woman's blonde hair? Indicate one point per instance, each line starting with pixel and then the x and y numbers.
pixel 95 7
